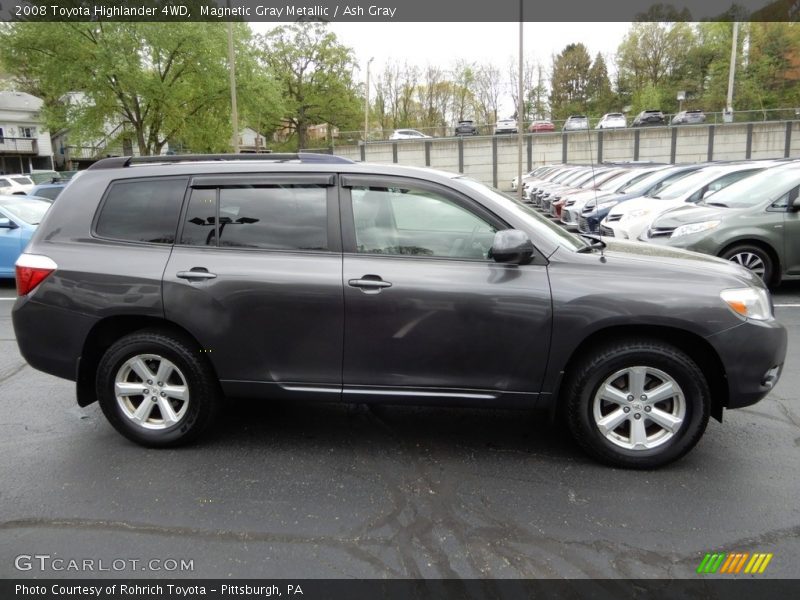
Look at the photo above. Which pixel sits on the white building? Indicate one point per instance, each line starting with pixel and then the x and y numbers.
pixel 24 140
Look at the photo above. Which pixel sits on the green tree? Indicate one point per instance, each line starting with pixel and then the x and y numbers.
pixel 538 94
pixel 315 75
pixel 570 81
pixel 654 56
pixel 463 74
pixel 601 96
pixel 771 77
pixel 155 82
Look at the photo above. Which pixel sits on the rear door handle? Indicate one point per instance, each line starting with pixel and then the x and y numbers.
pixel 369 284
pixel 196 274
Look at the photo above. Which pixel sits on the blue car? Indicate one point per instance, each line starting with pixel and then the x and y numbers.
pixel 19 216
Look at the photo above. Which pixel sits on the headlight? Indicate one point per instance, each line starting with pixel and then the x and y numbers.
pixel 751 302
pixel 694 228
pixel 635 214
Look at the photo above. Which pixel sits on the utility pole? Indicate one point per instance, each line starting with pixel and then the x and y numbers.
pixel 520 109
pixel 366 104
pixel 728 116
pixel 234 106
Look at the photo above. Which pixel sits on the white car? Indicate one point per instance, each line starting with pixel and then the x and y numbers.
pixel 16 184
pixel 631 218
pixel 505 126
pixel 407 134
pixel 530 175
pixel 612 121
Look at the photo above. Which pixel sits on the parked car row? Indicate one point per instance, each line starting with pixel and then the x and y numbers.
pixel 613 120
pixel 743 211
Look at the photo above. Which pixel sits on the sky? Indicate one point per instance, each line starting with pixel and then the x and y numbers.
pixel 444 43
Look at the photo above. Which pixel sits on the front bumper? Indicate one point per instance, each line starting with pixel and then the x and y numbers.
pixel 753 355
pixel 570 216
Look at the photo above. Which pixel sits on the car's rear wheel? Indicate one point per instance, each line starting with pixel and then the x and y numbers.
pixel 754 258
pixel 156 389
pixel 637 404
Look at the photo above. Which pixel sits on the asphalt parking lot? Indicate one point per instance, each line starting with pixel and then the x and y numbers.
pixel 324 490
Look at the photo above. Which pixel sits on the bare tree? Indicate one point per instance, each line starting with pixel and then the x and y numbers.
pixel 488 89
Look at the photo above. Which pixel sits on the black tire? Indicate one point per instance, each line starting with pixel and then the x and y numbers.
pixel 748 254
pixel 192 368
pixel 584 382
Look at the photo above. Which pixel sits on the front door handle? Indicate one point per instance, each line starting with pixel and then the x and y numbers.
pixel 196 274
pixel 369 284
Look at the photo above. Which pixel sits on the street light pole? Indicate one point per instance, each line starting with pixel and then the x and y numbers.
pixel 366 104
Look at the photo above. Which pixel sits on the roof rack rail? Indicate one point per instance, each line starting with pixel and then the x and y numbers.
pixel 117 162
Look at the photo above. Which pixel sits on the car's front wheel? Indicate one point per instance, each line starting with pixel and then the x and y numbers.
pixel 157 389
pixel 754 258
pixel 637 403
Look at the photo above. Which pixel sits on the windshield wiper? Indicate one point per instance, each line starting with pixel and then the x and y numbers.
pixel 716 204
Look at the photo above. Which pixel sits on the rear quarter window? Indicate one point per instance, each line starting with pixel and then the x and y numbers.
pixel 141 210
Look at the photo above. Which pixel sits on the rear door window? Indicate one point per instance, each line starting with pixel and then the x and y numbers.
pixel 272 217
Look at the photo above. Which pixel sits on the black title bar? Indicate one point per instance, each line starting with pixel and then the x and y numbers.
pixel 371 11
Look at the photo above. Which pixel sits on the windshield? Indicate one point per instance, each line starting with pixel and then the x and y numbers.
pixel 766 186
pixel 561 175
pixel 29 211
pixel 590 178
pixel 543 226
pixel 688 184
pixel 643 186
pixel 22 180
pixel 616 180
pixel 627 180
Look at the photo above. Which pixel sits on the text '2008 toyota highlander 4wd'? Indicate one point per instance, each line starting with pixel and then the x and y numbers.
pixel 162 285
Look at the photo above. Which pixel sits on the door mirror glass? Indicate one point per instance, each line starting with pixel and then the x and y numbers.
pixel 512 246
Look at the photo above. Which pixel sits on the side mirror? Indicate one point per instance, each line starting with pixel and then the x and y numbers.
pixel 795 206
pixel 511 246
pixel 6 223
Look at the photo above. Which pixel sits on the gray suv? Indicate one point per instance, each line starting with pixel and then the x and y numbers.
pixel 163 285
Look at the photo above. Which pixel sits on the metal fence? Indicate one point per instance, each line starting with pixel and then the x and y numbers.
pixel 711 118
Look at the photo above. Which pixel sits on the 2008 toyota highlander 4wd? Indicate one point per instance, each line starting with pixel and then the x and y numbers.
pixel 161 285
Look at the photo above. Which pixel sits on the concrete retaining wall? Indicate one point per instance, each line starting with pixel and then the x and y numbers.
pixel 493 159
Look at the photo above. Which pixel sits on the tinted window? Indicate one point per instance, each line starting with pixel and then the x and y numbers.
pixel 142 210
pixel 403 221
pixel 279 217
